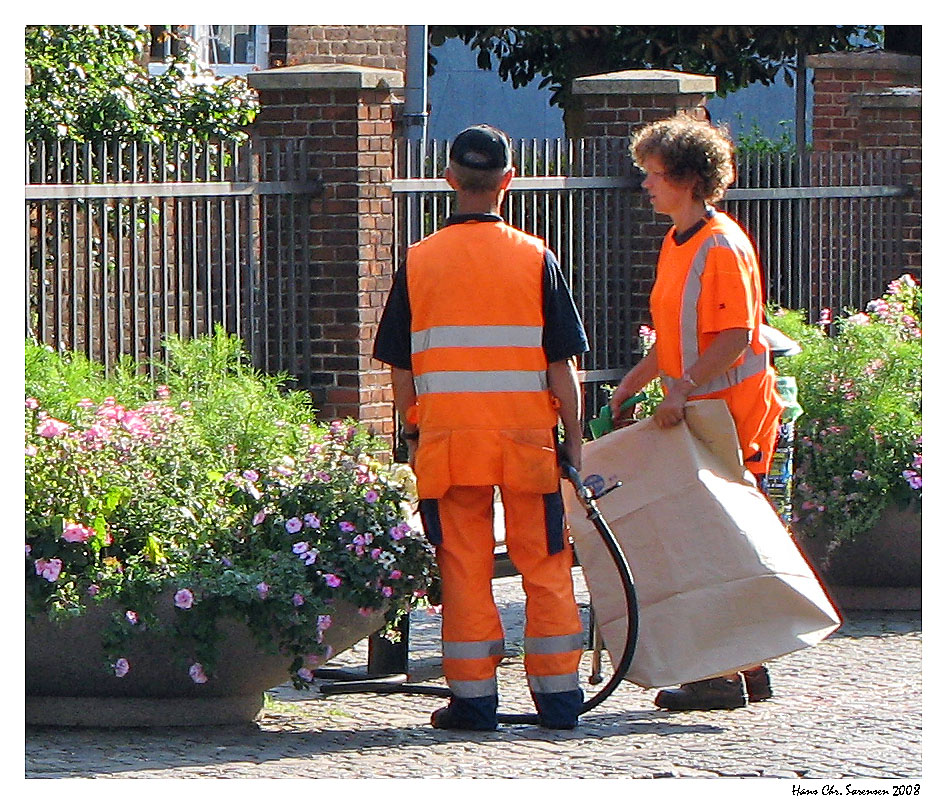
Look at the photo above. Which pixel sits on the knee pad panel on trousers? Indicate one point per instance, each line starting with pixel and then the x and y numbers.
pixel 554 509
pixel 431 520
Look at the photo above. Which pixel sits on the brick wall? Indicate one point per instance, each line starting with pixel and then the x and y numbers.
pixel 838 78
pixel 872 101
pixel 614 105
pixel 347 119
pixel 367 45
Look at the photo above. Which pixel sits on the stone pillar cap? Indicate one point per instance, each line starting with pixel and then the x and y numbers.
pixel 865 59
pixel 645 82
pixel 326 76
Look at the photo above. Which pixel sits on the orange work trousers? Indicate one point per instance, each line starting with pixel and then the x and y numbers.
pixel 472 632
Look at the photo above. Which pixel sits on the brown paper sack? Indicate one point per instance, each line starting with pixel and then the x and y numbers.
pixel 721 585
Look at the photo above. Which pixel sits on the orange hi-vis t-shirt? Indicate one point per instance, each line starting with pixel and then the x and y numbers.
pixel 708 283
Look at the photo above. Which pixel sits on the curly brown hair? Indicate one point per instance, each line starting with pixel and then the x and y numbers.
pixel 689 148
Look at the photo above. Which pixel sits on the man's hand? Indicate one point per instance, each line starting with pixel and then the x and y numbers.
pixel 572 453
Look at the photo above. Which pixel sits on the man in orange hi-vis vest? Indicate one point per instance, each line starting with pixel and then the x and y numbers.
pixel 482 333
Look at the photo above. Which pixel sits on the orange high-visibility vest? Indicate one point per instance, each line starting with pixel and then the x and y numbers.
pixel 687 316
pixel 485 412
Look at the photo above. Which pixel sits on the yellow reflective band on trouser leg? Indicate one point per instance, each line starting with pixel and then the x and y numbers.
pixel 553 657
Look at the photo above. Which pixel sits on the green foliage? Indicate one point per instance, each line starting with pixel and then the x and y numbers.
pixel 87 83
pixel 736 55
pixel 754 141
pixel 858 441
pixel 214 485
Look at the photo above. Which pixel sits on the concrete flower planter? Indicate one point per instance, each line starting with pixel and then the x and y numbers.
pixel 881 568
pixel 69 684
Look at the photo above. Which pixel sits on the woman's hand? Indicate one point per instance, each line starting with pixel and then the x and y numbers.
pixel 636 379
pixel 671 410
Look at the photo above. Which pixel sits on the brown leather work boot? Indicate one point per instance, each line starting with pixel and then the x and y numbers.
pixel 757 683
pixel 722 692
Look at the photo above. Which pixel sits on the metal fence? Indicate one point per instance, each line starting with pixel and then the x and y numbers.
pixel 572 194
pixel 128 243
pixel 828 228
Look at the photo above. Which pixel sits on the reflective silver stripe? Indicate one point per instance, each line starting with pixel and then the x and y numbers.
pixel 553 644
pixel 439 337
pixel 447 382
pixel 563 683
pixel 752 364
pixel 472 650
pixel 473 689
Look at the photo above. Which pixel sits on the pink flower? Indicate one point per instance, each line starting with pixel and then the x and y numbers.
pixel 305 674
pixel 31 403
pixel 72 532
pixel 324 622
pixel 30 451
pixel 93 590
pixel 134 424
pixel 312 521
pixel 310 557
pixel 51 428
pixel 196 672
pixel 121 667
pixel 294 525
pixel 348 527
pixel 325 477
pixel 371 496
pixel 858 474
pixel 29 549
pixel 366 612
pixel 400 530
pixel 185 405
pixel 251 475
pixel 298 599
pixel 860 319
pixel 395 575
pixel 825 317
pixel 263 589
pixel 49 568
pixel 387 591
pixel 333 580
pixel 184 598
pixel 259 516
pixel 132 617
pixel 300 547
pixel 85 403
pixel 162 392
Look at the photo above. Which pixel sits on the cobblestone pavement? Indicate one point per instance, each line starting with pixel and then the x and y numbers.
pixel 848 708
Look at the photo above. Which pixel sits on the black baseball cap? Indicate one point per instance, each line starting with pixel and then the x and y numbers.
pixel 482 147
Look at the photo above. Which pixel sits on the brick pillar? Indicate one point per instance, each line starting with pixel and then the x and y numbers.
pixel 614 106
pixel 871 101
pixel 345 112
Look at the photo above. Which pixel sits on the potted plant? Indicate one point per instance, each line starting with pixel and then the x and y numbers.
pixel 183 530
pixel 858 450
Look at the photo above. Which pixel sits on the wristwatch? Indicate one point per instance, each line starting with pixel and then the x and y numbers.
pixel 686 377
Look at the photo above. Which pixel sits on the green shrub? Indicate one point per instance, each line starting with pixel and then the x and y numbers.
pixel 212 485
pixel 858 441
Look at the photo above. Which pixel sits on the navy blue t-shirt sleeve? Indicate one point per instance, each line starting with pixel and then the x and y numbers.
pixel 393 338
pixel 563 333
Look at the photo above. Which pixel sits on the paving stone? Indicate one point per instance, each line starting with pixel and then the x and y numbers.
pixel 849 707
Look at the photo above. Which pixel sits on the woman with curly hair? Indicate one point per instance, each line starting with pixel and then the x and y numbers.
pixel 707 309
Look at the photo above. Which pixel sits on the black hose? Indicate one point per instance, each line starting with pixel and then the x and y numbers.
pixel 396 683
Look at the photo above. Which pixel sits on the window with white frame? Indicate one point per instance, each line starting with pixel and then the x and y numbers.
pixel 228 49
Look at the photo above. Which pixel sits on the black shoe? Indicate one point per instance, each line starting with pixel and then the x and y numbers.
pixel 711 693
pixel 447 718
pixel 757 683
